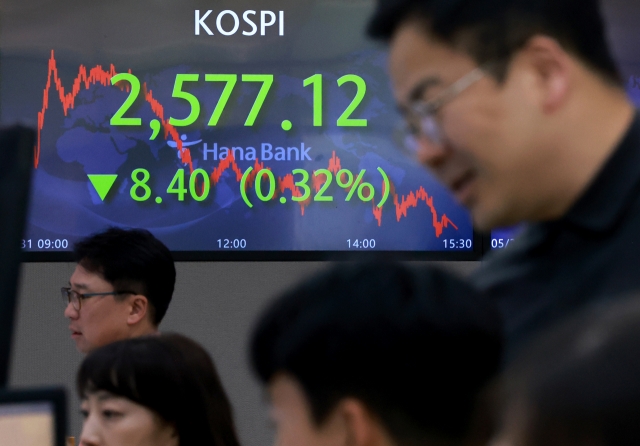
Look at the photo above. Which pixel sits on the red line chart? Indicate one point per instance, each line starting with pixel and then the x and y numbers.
pixel 97 75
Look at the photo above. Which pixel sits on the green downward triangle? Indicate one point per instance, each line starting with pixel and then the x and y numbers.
pixel 102 183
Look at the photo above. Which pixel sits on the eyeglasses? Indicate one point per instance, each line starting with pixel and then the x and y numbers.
pixel 422 120
pixel 74 298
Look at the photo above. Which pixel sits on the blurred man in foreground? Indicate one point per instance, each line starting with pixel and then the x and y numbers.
pixel 377 355
pixel 120 289
pixel 518 108
pixel 577 385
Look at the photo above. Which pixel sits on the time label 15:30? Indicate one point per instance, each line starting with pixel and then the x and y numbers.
pixel 461 243
pixel 230 81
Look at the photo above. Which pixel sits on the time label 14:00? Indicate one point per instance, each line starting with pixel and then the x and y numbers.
pixel 230 81
pixel 264 183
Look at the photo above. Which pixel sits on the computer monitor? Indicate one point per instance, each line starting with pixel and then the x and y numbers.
pixel 16 146
pixel 34 417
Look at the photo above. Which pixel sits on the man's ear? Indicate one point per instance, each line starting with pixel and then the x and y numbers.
pixel 362 428
pixel 138 307
pixel 170 435
pixel 553 71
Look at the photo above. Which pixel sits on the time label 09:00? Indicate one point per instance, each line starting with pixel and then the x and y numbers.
pixel 46 244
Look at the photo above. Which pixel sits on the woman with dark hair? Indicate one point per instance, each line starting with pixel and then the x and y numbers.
pixel 156 390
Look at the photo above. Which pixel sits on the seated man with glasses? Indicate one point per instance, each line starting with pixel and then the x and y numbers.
pixel 120 289
pixel 519 109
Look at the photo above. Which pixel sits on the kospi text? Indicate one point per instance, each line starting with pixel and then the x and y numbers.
pixel 227 22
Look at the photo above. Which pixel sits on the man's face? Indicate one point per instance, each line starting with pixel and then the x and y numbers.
pixel 485 156
pixel 291 414
pixel 101 320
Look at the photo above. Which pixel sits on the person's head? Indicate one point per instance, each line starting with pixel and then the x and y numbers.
pixel 577 385
pixel 512 104
pixel 376 354
pixel 121 287
pixel 157 390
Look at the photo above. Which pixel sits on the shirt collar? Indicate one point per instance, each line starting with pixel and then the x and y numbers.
pixel 608 195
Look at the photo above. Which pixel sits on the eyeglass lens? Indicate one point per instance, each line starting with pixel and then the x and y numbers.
pixel 423 127
pixel 70 297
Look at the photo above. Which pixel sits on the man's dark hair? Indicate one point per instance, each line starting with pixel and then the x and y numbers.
pixel 577 383
pixel 492 31
pixel 414 346
pixel 169 374
pixel 131 259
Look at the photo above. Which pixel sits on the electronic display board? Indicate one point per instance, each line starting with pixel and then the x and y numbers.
pixel 230 130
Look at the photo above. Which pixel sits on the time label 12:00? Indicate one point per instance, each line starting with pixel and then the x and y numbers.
pixel 230 81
